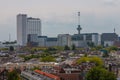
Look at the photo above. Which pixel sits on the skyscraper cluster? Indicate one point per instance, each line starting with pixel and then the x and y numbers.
pixel 27 26
pixel 29 33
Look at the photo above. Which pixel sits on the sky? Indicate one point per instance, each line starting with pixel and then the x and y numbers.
pixel 60 16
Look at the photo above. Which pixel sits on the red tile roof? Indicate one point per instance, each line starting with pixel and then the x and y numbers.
pixel 47 74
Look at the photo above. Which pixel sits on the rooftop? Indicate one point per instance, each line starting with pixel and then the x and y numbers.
pixel 47 74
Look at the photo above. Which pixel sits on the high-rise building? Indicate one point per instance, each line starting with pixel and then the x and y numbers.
pixel 21 29
pixel 26 26
pixel 33 26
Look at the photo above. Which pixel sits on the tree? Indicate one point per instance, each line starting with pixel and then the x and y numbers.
pixel 98 73
pixel 90 44
pixel 48 59
pixel 111 48
pixel 73 47
pixel 35 68
pixel 44 54
pixel 83 59
pixel 66 47
pixel 13 75
pixel 51 49
pixel 98 47
pixel 98 61
pixel 11 48
pixel 105 53
pixel 4 49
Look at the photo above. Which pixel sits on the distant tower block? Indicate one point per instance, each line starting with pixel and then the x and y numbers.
pixel 79 27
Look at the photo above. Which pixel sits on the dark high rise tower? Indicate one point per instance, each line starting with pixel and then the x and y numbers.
pixel 79 27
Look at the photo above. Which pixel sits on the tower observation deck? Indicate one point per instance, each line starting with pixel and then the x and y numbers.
pixel 79 27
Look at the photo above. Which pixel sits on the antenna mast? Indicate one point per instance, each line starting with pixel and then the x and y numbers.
pixel 79 27
pixel 9 37
pixel 114 30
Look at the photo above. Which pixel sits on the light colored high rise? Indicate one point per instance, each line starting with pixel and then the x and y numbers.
pixel 64 40
pixel 34 26
pixel 21 29
pixel 25 26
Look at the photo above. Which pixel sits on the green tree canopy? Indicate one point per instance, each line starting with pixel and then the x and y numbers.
pixel 90 44
pixel 111 48
pixel 11 48
pixel 66 47
pixel 4 49
pixel 13 75
pixel 73 47
pixel 98 61
pixel 48 59
pixel 98 73
pixel 28 57
pixel 99 47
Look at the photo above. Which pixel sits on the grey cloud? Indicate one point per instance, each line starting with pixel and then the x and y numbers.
pixel 111 2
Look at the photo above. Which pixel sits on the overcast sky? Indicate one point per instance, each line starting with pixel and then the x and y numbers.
pixel 60 16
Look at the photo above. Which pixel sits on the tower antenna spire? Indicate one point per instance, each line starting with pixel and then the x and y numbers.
pixel 9 37
pixel 114 30
pixel 79 27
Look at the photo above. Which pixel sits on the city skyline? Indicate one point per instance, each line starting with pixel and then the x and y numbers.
pixel 60 17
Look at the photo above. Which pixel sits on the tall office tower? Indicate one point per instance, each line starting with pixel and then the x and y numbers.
pixel 21 29
pixel 27 26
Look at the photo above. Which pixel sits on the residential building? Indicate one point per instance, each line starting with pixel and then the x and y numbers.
pixel 50 76
pixel 117 43
pixel 29 65
pixel 37 75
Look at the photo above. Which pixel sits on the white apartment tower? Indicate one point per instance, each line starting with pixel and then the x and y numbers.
pixel 26 26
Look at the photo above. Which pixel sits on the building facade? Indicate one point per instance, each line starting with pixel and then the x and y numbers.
pixel 108 39
pixel 42 41
pixel 21 29
pixel 82 40
pixel 32 40
pixel 26 26
pixel 33 26
pixel 51 42
pixel 64 39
